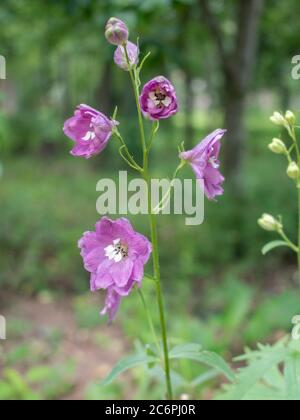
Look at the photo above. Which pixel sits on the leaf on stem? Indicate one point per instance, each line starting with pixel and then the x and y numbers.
pixel 193 351
pixel 272 245
pixel 126 364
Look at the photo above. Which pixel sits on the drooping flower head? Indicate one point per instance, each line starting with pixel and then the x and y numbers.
pixel 204 161
pixel 90 130
pixel 112 304
pixel 133 56
pixel 116 31
pixel 115 255
pixel 158 99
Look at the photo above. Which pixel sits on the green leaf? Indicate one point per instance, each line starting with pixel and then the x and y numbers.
pixel 184 348
pixel 250 376
pixel 150 352
pixel 272 245
pixel 291 378
pixel 127 363
pixel 205 377
pixel 193 352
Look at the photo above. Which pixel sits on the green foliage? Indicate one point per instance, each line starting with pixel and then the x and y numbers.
pixel 38 383
pixel 264 378
pixel 189 351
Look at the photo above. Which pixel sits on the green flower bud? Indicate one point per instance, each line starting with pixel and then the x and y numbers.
pixel 277 146
pixel 290 117
pixel 268 222
pixel 293 170
pixel 278 119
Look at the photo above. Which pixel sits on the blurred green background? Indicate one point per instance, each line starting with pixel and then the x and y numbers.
pixel 231 64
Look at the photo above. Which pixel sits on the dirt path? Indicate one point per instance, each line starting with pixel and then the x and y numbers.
pixel 45 318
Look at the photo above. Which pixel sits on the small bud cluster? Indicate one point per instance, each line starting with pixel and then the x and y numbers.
pixel 287 121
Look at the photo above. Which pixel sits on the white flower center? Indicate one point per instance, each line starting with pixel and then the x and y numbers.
pixel 160 99
pixel 116 251
pixel 214 163
pixel 90 135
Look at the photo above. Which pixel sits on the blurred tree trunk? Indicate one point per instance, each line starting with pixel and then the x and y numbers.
pixel 104 93
pixel 284 90
pixel 238 65
pixel 184 13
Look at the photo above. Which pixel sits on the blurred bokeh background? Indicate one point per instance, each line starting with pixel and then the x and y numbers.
pixel 231 63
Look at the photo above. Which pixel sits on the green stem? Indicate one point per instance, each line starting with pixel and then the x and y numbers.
pixel 129 160
pixel 150 322
pixel 299 232
pixel 137 100
pixel 154 235
pixel 160 300
pixel 288 241
pixel 294 137
pixel 165 199
pixel 292 133
pixel 155 128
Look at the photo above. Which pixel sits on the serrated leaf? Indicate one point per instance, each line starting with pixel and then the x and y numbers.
pixel 272 245
pixel 127 363
pixel 250 376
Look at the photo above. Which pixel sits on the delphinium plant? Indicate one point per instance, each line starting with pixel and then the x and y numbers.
pixel 273 371
pixel 114 253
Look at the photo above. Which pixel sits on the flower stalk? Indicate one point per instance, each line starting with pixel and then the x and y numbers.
pixel 153 228
pixel 292 153
pixel 114 253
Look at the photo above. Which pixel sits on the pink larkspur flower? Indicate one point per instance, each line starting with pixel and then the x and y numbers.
pixel 204 161
pixel 112 304
pixel 90 130
pixel 115 255
pixel 116 31
pixel 158 99
pixel 133 55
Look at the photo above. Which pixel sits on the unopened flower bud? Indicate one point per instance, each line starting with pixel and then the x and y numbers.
pixel 277 146
pixel 268 222
pixel 278 119
pixel 290 117
pixel 293 170
pixel 116 31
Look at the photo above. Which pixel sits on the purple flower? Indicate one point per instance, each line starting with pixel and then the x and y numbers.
pixel 204 161
pixel 116 31
pixel 133 55
pixel 90 129
pixel 115 255
pixel 158 99
pixel 112 304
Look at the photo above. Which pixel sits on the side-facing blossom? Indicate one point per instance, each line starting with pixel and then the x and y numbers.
pixel 115 255
pixel 133 56
pixel 158 99
pixel 90 130
pixel 204 161
pixel 116 31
